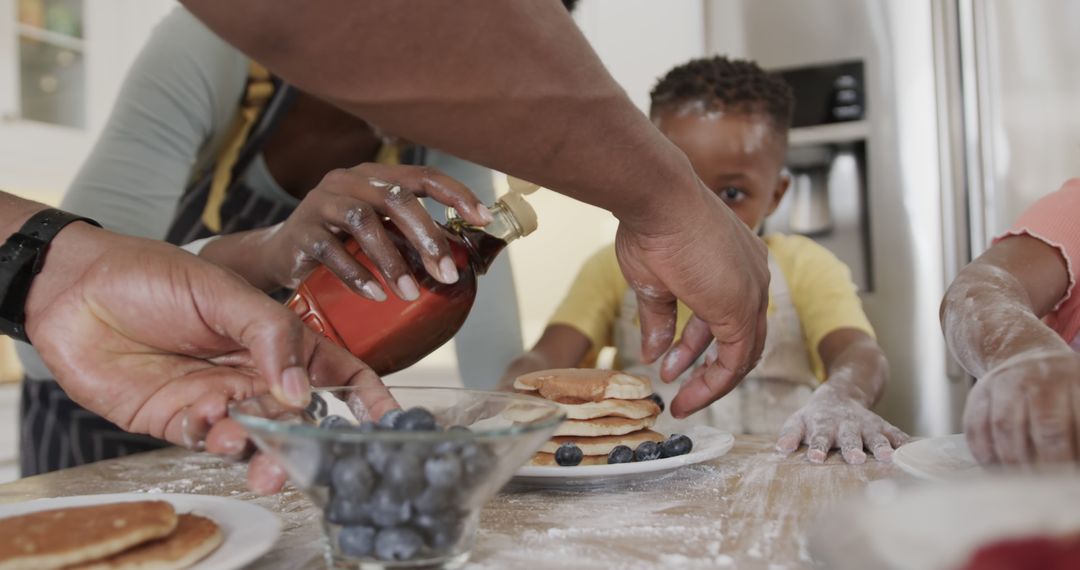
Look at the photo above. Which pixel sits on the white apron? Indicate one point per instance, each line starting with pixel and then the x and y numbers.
pixel 779 385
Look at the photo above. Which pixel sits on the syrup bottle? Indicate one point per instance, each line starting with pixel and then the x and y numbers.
pixel 394 334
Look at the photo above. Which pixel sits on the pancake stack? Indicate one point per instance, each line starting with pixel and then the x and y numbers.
pixel 137 535
pixel 604 409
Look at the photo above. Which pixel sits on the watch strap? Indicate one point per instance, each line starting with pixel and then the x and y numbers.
pixel 21 259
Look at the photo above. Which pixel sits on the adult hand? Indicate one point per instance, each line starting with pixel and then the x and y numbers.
pixel 834 419
pixel 718 268
pixel 1027 410
pixel 353 202
pixel 159 342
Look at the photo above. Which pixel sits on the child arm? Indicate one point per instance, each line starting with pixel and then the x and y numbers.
pixel 1025 407
pixel 561 346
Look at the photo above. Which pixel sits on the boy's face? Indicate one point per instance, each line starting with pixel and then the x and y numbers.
pixel 739 156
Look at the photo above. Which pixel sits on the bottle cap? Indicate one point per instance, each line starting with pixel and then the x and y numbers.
pixel 519 186
pixel 522 211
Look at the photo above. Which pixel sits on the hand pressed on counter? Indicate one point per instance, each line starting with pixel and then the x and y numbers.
pixel 838 415
pixel 1027 410
pixel 352 203
pixel 710 260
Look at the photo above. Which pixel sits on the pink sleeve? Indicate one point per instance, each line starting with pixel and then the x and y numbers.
pixel 1055 220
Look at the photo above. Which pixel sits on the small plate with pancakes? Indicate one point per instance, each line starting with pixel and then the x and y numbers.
pixel 605 409
pixel 135 531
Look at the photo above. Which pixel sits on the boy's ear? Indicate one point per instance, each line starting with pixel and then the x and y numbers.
pixel 782 184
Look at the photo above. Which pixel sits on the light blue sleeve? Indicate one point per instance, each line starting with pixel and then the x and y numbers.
pixel 176 104
pixel 491 336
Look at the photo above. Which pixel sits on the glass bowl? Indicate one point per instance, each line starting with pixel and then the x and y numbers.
pixel 400 499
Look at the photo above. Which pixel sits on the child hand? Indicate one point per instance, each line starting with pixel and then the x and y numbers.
pixel 353 202
pixel 1027 410
pixel 835 419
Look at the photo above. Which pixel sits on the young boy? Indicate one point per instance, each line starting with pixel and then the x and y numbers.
pixel 1012 318
pixel 731 119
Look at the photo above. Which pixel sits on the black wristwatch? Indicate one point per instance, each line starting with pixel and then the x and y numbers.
pixel 21 259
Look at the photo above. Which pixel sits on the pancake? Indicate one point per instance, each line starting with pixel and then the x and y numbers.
pixel 604 444
pixel 62 537
pixel 579 385
pixel 603 426
pixel 548 460
pixel 632 409
pixel 194 538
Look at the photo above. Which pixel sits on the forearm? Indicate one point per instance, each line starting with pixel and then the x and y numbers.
pixel 512 85
pixel 988 318
pixel 14 212
pixel 245 253
pixel 859 371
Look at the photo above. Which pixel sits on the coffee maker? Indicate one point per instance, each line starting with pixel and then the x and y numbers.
pixel 827 199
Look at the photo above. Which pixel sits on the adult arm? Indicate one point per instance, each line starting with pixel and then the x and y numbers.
pixel 514 86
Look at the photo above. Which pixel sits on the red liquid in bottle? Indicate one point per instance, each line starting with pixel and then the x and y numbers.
pixel 394 334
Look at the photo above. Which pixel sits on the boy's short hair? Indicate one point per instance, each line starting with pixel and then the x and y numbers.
pixel 735 85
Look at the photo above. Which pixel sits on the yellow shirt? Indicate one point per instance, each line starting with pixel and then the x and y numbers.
pixel 820 284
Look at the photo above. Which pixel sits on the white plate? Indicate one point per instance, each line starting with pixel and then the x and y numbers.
pixel 940 525
pixel 709 443
pixel 250 530
pixel 937 458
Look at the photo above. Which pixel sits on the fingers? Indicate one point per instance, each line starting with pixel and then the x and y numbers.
pixel 695 339
pixel 741 356
pixel 1009 428
pixel 791 435
pixel 332 365
pixel 228 439
pixel 322 246
pixel 409 215
pixel 265 476
pixel 849 440
pixel 430 182
pixel 1051 422
pixel 656 311
pixel 363 222
pixel 819 444
pixel 879 445
pixel 977 425
pixel 706 385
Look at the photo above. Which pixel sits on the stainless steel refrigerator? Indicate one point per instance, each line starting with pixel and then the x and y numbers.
pixel 968 111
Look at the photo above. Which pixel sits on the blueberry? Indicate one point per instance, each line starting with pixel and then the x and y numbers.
pixel 441 530
pixel 347 510
pixel 404 473
pixel 352 476
pixel 647 451
pixel 377 454
pixel 444 536
pixel 620 454
pixel 677 444
pixel 357 541
pixel 477 460
pixel 398 544
pixel 416 419
pixel 433 500
pixel 387 509
pixel 334 422
pixel 389 419
pixel 568 454
pixel 443 470
pixel 658 400
pixel 447 448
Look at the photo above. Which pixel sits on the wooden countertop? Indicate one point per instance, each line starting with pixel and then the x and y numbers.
pixel 748 509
